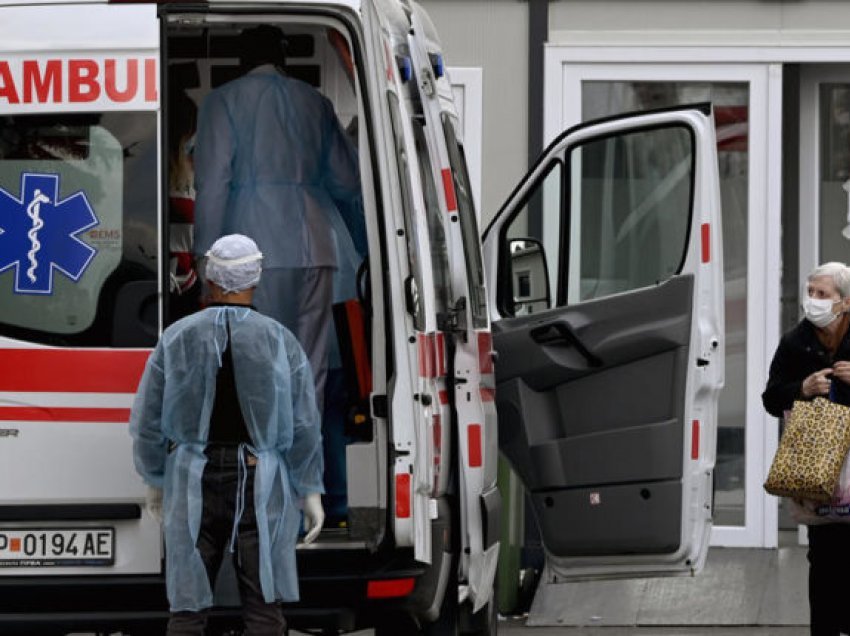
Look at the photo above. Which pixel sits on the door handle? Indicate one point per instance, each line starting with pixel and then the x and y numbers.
pixel 561 333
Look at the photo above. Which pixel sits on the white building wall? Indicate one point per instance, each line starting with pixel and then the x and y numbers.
pixel 662 22
pixel 717 14
pixel 492 35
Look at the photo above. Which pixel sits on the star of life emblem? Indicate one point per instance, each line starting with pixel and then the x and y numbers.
pixel 39 233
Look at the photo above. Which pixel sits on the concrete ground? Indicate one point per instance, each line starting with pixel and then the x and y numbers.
pixel 740 592
pixel 514 627
pixel 511 629
pixel 737 587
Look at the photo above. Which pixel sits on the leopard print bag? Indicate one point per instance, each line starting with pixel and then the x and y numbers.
pixel 811 452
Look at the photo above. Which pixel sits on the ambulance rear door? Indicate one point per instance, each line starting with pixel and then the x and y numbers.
pixel 79 283
pixel 607 313
pixel 465 326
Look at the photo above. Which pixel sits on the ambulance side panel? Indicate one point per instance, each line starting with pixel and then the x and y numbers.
pixel 79 282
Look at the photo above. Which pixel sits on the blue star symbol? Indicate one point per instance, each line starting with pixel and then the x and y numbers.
pixel 38 233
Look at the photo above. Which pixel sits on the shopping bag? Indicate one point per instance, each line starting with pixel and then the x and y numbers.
pixel 811 512
pixel 811 452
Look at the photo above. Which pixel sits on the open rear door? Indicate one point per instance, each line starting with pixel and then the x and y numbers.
pixel 607 314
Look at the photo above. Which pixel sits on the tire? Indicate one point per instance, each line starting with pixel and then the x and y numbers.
pixel 529 578
pixel 483 623
pixel 447 623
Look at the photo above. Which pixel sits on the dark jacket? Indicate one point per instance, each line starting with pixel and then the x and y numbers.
pixel 798 355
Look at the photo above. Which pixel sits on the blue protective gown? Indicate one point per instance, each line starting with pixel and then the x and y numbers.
pixel 272 162
pixel 173 407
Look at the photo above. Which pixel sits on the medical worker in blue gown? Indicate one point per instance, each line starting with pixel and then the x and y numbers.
pixel 226 434
pixel 273 162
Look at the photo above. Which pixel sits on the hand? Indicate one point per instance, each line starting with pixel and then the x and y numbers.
pixel 314 516
pixel 817 383
pixel 841 370
pixel 153 501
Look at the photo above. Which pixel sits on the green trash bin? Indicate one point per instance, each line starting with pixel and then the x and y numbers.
pixel 511 538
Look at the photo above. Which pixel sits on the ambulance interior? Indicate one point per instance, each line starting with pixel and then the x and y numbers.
pixel 199 57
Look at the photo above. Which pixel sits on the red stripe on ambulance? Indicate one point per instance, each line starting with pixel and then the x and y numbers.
pixel 71 371
pixel 63 414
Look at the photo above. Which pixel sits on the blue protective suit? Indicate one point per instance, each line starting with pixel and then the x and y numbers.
pixel 272 162
pixel 172 409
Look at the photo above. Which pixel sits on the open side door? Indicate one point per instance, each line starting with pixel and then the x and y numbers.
pixel 607 314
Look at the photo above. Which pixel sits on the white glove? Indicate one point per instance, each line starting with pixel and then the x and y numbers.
pixel 153 501
pixel 314 516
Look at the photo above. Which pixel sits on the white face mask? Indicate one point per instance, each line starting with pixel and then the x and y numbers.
pixel 819 311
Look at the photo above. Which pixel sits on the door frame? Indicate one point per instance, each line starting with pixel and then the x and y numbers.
pixel 468 88
pixel 811 76
pixel 565 69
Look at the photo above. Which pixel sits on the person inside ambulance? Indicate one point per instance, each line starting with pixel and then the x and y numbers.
pixel 272 161
pixel 226 434
pixel 184 285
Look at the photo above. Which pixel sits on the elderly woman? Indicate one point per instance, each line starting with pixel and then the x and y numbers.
pixel 812 359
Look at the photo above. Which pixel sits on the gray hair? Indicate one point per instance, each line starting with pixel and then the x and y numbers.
pixel 839 273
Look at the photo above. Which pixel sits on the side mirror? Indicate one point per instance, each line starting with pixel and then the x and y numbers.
pixel 529 276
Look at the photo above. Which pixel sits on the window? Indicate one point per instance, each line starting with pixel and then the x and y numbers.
pixel 618 221
pixel 437 235
pixel 468 226
pixel 538 219
pixel 630 201
pixel 407 203
pixel 78 229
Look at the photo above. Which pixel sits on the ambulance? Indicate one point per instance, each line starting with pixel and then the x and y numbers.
pixel 581 335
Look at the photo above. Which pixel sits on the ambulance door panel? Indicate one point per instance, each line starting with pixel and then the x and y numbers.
pixel 608 325
pixel 587 412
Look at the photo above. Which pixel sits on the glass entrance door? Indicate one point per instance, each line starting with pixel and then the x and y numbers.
pixel 824 165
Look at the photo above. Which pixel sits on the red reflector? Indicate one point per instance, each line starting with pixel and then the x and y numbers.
pixel 449 188
pixel 402 495
pixel 706 243
pixel 389 588
pixel 474 436
pixel 485 348
pixel 695 439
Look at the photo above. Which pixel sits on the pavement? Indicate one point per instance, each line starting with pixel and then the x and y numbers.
pixel 740 592
pixel 509 629
pixel 737 588
pixel 752 592
pixel 516 627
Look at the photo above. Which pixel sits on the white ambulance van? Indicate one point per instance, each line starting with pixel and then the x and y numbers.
pixel 590 317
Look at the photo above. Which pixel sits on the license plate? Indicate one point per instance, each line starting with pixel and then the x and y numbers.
pixel 52 547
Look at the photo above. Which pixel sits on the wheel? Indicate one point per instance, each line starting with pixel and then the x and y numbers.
pixel 485 622
pixel 529 578
pixel 396 625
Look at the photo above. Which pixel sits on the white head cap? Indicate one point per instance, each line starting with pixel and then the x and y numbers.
pixel 234 263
